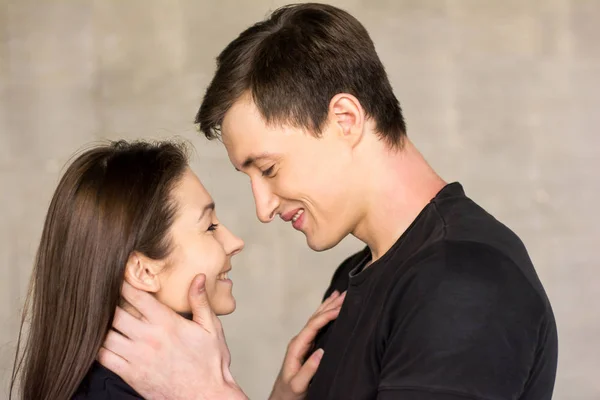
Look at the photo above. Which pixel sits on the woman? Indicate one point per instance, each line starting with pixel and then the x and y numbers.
pixel 124 211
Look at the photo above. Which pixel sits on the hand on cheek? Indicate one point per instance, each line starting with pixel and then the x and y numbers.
pixel 162 355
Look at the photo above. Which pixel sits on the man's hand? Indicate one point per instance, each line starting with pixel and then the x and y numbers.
pixel 295 375
pixel 164 356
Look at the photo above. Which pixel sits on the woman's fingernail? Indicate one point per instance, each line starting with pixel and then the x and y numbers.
pixel 319 354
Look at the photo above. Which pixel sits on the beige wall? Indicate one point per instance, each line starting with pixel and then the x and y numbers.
pixel 501 95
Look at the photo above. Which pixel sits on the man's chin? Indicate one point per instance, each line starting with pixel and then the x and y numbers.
pixel 321 244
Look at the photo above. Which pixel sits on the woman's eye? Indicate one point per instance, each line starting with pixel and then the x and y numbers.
pixel 269 171
pixel 212 227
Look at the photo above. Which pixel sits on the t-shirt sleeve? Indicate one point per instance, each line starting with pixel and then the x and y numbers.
pixel 466 327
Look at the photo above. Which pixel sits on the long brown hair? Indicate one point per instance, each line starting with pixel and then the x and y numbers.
pixel 112 200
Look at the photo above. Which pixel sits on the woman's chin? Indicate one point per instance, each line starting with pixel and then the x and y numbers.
pixel 222 306
pixel 225 306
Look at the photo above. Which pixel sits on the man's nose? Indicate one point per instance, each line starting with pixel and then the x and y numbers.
pixel 265 200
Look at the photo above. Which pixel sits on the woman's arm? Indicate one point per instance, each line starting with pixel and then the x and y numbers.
pixel 295 375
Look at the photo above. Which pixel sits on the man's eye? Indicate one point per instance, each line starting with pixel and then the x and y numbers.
pixel 269 171
pixel 212 227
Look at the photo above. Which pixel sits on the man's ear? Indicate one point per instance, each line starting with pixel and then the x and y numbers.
pixel 141 272
pixel 348 114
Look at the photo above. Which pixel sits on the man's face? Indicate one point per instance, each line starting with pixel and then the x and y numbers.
pixel 306 180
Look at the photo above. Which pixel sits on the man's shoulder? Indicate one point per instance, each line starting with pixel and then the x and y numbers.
pixel 448 256
pixel 467 273
pixel 455 260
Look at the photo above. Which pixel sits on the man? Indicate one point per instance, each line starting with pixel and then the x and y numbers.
pixel 443 302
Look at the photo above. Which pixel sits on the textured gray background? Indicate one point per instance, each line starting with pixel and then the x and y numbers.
pixel 500 95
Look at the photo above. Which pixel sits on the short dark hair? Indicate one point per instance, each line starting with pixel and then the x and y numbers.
pixel 293 63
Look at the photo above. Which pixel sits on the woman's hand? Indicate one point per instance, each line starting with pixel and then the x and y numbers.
pixel 295 375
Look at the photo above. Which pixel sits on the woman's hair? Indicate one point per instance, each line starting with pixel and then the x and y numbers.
pixel 113 199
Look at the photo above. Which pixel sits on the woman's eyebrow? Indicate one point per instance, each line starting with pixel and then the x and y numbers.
pixel 208 207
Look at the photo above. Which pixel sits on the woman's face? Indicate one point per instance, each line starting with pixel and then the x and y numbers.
pixel 200 245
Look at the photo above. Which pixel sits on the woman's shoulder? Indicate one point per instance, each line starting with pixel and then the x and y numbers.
pixel 102 384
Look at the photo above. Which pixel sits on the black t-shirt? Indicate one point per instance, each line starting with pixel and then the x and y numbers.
pixel 453 311
pixel 101 383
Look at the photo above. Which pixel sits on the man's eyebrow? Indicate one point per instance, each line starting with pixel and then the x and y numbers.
pixel 208 207
pixel 252 159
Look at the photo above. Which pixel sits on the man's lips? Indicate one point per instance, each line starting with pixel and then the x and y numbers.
pixel 287 216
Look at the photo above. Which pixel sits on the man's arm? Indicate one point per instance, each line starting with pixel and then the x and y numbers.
pixel 165 356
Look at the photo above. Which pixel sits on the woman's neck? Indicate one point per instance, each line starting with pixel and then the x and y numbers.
pixel 130 309
pixel 133 311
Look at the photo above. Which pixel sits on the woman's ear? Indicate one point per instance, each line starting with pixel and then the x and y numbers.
pixel 141 272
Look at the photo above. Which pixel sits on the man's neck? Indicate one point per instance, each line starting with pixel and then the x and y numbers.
pixel 401 184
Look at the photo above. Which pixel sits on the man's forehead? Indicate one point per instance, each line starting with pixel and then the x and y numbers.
pixel 247 146
pixel 238 147
pixel 241 152
pixel 249 138
pixel 242 112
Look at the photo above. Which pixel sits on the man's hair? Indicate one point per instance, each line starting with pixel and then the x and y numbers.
pixel 293 63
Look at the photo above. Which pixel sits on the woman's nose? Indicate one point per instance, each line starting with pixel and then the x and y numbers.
pixel 232 244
